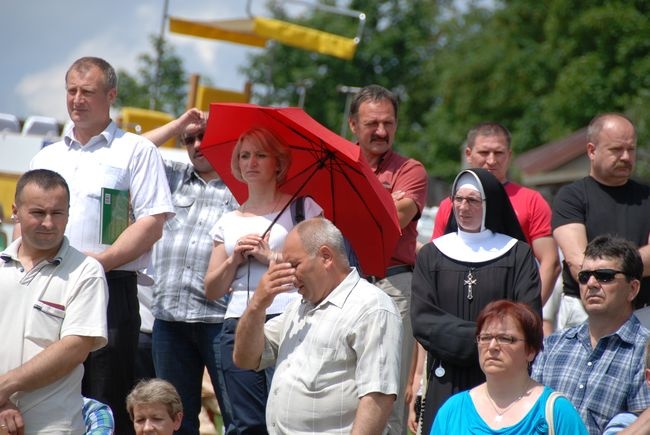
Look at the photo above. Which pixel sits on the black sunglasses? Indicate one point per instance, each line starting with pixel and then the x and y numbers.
pixel 601 275
pixel 190 139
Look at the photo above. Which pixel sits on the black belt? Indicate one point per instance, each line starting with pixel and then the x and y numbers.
pixel 392 270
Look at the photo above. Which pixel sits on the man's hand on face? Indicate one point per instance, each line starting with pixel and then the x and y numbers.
pixel 279 278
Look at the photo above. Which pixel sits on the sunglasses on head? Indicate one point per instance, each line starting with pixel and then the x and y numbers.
pixel 191 138
pixel 601 275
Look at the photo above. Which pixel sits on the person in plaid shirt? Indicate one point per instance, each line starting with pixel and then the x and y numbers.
pixel 187 326
pixel 598 365
pixel 98 417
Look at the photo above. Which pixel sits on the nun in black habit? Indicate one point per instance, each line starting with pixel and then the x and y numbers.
pixel 482 257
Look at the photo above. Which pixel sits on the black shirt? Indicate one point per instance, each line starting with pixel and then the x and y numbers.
pixel 622 211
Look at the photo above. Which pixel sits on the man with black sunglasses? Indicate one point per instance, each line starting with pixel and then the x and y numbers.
pixel 187 326
pixel 599 364
pixel 607 201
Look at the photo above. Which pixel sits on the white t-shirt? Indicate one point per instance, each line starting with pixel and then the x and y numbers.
pixel 233 226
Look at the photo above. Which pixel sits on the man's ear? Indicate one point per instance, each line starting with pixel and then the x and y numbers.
pixel 635 285
pixel 352 123
pixel 591 149
pixel 14 212
pixel 468 153
pixel 112 94
pixel 326 254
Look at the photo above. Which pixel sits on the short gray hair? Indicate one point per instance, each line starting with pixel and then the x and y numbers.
pixel 155 390
pixel 318 231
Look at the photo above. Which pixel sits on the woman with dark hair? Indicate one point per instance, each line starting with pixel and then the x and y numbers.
pixel 508 337
pixel 481 258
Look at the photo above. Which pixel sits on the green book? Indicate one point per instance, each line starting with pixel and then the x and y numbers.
pixel 114 214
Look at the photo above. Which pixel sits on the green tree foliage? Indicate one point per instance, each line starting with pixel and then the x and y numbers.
pixel 543 68
pixel 144 90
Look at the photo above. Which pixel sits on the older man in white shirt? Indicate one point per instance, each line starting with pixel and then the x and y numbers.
pixel 336 351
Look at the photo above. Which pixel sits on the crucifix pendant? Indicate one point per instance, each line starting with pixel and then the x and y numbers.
pixel 470 281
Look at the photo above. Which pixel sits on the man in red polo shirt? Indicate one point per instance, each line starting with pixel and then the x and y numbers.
pixel 488 146
pixel 373 120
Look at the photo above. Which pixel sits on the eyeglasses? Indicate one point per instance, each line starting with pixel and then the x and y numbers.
pixel 474 202
pixel 502 339
pixel 601 275
pixel 190 139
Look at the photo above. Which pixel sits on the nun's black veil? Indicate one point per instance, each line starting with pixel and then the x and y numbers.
pixel 500 217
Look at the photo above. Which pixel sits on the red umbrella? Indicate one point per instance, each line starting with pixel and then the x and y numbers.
pixel 324 165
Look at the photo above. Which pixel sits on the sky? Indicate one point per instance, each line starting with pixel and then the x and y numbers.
pixel 41 38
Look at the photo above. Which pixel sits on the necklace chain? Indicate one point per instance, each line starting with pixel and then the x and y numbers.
pixel 499 415
pixel 246 206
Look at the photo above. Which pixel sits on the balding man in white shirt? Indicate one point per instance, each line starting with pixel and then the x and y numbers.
pixel 336 351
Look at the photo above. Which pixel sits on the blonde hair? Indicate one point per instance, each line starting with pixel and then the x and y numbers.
pixel 152 391
pixel 268 142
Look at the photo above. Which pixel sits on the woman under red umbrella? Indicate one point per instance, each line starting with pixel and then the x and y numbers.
pixel 244 243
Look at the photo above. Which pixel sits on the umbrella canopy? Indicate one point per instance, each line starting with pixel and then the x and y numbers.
pixel 324 165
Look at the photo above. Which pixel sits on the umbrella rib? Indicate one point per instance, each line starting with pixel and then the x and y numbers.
pixel 354 188
pixel 334 164
pixel 293 197
pixel 358 193
pixel 332 187
pixel 322 147
pixel 316 164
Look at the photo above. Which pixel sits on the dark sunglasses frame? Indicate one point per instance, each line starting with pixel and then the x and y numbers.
pixel 190 139
pixel 601 275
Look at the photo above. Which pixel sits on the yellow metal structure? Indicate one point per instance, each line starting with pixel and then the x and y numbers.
pixel 257 31
pixel 237 31
pixel 137 120
pixel 306 38
pixel 206 95
pixel 7 190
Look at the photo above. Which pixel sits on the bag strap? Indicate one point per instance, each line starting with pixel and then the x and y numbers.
pixel 298 210
pixel 549 411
